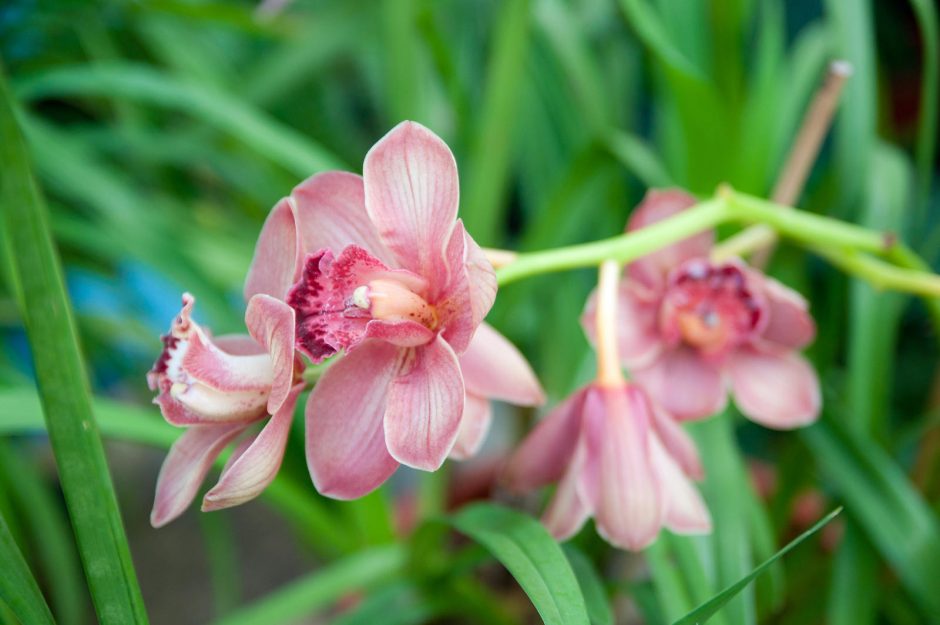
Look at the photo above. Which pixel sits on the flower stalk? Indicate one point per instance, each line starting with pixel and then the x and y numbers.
pixel 609 374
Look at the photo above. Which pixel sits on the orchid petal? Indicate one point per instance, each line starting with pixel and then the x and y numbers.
pixel 630 504
pixel 547 450
pixel 778 391
pixel 425 406
pixel 346 451
pixel 494 368
pixel 686 513
pixel 638 339
pixel 186 466
pixel 271 323
pixel 331 212
pixel 789 323
pixel 257 465
pixel 276 263
pixel 477 415
pixel 658 205
pixel 411 195
pixel 684 384
pixel 568 509
pixel 677 442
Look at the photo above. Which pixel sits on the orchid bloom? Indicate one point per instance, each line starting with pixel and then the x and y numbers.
pixel 380 268
pixel 690 328
pixel 616 455
pixel 217 388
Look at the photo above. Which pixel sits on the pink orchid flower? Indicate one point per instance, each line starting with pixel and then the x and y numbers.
pixel 380 268
pixel 617 457
pixel 218 388
pixel 691 328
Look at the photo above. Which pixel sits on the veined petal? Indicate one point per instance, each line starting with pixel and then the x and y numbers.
pixel 686 512
pixel 198 404
pixel 777 390
pixel 493 367
pixel 683 383
pixel 630 503
pixel 660 204
pixel 477 415
pixel 482 278
pixel 425 407
pixel 638 339
pixel 789 323
pixel 411 195
pixel 678 444
pixel 271 323
pixel 453 294
pixel 346 451
pixel 276 263
pixel 547 450
pixel 186 466
pixel 255 468
pixel 331 211
pixel 568 509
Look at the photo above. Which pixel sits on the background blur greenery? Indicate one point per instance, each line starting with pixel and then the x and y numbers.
pixel 162 132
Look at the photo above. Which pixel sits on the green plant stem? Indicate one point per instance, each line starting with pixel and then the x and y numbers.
pixel 63 384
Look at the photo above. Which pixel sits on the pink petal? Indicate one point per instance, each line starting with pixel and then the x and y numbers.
pixel 789 322
pixel 411 194
pixel 686 513
pixel 238 345
pixel 678 444
pixel 186 466
pixel 401 333
pixel 256 465
pixel 346 451
pixel 630 504
pixel 546 452
pixel 331 213
pixel 198 404
pixel 271 323
pixel 425 406
pixel 684 384
pixel 778 391
pixel 569 508
pixel 276 263
pixel 456 296
pixel 638 338
pixel 474 425
pixel 482 278
pixel 658 205
pixel 493 367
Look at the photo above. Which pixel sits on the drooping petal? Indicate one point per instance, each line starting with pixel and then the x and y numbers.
pixel 568 509
pixel 678 444
pixel 789 323
pixel 255 467
pixel 630 504
pixel 271 323
pixel 686 512
pixel 276 263
pixel 638 338
pixel 493 367
pixel 684 384
pixel 547 450
pixel 425 407
pixel 331 213
pixel 346 451
pixel 777 390
pixel 477 416
pixel 658 205
pixel 186 466
pixel 411 195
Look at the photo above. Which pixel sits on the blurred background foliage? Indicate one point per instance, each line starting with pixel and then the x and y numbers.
pixel 162 132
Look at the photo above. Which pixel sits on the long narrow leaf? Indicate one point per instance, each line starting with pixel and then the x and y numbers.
pixel 63 384
pixel 18 589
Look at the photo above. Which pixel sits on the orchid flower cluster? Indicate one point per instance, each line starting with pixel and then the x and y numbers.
pixel 376 277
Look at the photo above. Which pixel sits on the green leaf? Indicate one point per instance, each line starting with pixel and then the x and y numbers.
pixel 709 608
pixel 592 586
pixel 18 588
pixel 879 496
pixel 280 143
pixel 299 600
pixel 63 384
pixel 927 21
pixel 531 555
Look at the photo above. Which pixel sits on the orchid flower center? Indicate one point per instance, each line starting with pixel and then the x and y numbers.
pixel 391 300
pixel 710 307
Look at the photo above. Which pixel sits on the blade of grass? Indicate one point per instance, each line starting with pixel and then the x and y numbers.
pixel 705 611
pixel 592 586
pixel 63 384
pixel 18 588
pixel 927 21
